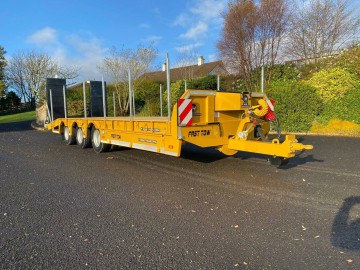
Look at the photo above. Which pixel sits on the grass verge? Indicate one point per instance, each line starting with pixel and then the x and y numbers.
pixel 18 117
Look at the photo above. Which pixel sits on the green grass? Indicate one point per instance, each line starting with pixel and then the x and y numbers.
pixel 18 117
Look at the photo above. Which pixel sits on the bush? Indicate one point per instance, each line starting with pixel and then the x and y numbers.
pixel 308 70
pixel 75 100
pixel 349 61
pixel 12 99
pixel 76 93
pixel 283 73
pixel 346 108
pixel 206 83
pixel 9 101
pixel 177 90
pixel 280 73
pixel 333 83
pixel 76 108
pixel 147 98
pixel 296 105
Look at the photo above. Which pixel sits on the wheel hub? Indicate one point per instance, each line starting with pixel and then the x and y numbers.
pixel 66 133
pixel 96 138
pixel 79 136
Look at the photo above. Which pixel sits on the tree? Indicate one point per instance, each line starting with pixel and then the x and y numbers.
pixel 2 70
pixel 321 26
pixel 12 99
pixel 186 60
pixel 27 72
pixel 9 100
pixel 116 66
pixel 251 36
pixel 15 73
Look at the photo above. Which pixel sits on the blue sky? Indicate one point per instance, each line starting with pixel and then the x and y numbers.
pixel 80 32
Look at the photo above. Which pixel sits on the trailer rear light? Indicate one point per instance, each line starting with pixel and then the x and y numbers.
pixel 270 116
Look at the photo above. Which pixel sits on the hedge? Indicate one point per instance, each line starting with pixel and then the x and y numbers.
pixel 346 108
pixel 333 83
pixel 296 105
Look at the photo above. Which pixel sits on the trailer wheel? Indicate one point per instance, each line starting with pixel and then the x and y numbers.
pixel 98 146
pixel 278 161
pixel 82 141
pixel 69 139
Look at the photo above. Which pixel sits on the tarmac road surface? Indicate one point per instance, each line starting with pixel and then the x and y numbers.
pixel 62 207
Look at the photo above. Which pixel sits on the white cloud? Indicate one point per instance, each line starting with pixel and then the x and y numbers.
pixel 90 55
pixel 196 32
pixel 188 47
pixel 208 9
pixel 44 36
pixel 144 25
pixel 201 13
pixel 86 46
pixel 82 50
pixel 154 39
pixel 183 20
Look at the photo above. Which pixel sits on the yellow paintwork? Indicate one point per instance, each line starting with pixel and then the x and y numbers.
pixel 221 120
pixel 149 134
pixel 286 149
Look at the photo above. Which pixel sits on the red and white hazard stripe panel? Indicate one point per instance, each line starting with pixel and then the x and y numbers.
pixel 185 112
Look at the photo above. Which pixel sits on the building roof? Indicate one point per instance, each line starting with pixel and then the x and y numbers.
pixel 181 73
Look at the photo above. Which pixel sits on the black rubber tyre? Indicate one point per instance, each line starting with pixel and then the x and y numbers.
pixel 69 139
pixel 98 146
pixel 82 141
pixel 278 161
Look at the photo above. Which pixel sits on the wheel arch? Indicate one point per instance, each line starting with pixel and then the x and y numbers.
pixel 74 124
pixel 61 127
pixel 90 126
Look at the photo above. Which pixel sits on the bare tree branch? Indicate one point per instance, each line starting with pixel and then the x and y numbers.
pixel 321 26
pixel 116 65
pixel 27 72
pixel 251 36
pixel 186 60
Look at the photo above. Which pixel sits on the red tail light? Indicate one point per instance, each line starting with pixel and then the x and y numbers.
pixel 270 116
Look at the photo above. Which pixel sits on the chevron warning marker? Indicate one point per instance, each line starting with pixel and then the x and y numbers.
pixel 185 112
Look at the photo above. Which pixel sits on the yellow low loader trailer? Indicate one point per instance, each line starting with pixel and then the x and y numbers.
pixel 228 121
